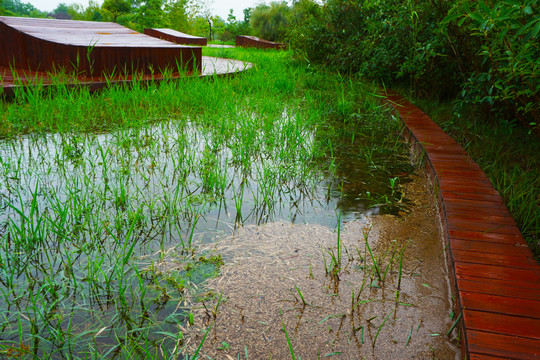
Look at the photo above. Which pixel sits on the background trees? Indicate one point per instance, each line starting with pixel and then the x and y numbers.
pixel 117 7
pixel 484 53
pixel 18 8
pixel 270 21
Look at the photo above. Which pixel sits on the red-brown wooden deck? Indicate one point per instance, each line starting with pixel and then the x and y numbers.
pixel 495 275
pixel 253 41
pixel 89 48
pixel 11 79
pixel 176 37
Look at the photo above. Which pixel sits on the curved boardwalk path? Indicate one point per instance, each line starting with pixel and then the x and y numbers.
pixel 95 54
pixel 10 79
pixel 176 37
pixel 90 48
pixel 496 277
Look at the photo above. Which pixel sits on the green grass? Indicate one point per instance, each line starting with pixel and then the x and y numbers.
pixel 107 197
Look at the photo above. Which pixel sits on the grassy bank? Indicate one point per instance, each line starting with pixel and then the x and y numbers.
pixel 98 190
pixel 507 153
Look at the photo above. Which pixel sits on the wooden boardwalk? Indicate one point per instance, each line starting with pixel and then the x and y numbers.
pixel 176 37
pixel 90 48
pixel 51 52
pixel 11 79
pixel 253 41
pixel 495 277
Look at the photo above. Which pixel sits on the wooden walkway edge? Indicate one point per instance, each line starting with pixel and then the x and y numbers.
pixel 13 79
pixel 495 276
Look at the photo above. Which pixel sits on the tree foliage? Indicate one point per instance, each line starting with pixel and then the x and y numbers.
pixel 485 52
pixel 117 7
pixel 18 8
pixel 270 21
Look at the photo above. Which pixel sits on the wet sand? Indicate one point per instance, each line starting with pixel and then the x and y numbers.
pixel 269 268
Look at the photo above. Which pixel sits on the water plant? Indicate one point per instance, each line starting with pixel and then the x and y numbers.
pixel 106 198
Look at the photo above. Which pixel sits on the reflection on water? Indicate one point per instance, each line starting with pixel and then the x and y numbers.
pixel 85 220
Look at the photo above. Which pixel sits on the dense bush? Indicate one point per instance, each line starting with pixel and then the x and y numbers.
pixel 504 72
pixel 486 52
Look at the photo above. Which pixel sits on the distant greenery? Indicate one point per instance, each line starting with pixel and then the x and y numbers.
pixel 18 8
pixel 190 16
pixel 270 21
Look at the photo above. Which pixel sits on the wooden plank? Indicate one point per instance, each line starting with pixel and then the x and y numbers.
pixel 479 217
pixel 512 347
pixel 480 184
pixel 431 146
pixel 457 193
pixel 176 36
pixel 475 204
pixel 498 287
pixel 454 223
pixel 463 175
pixel 252 41
pixel 515 240
pixel 521 277
pixel 490 248
pixel 486 209
pixel 500 304
pixel 482 257
pixel 502 324
pixel 476 356
pixel 441 167
pixel 450 157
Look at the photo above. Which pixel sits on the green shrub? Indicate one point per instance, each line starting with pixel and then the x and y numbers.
pixel 484 52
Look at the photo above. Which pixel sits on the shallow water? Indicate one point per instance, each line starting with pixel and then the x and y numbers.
pixel 103 234
pixel 269 268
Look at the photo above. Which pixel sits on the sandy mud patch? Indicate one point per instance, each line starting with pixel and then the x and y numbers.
pixel 284 279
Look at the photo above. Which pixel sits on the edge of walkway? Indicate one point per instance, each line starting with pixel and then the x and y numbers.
pixel 493 271
pixel 212 67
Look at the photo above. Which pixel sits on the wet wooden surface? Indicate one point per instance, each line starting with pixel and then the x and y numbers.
pixel 253 41
pixel 176 37
pixel 89 48
pixel 496 276
pixel 11 79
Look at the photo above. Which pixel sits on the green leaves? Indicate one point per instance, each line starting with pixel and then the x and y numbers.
pixel 459 47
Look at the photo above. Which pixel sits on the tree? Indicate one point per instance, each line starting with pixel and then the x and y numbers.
pixel 199 26
pixel 177 16
pixel 234 27
pixel 150 14
pixel 93 12
pixel 247 15
pixel 61 12
pixel 117 7
pixel 231 19
pixel 18 8
pixel 270 21
pixel 76 11
pixel 218 26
